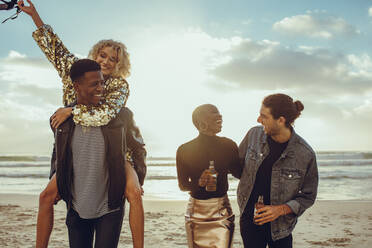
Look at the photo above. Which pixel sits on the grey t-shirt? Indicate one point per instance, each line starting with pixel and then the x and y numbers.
pixel 90 177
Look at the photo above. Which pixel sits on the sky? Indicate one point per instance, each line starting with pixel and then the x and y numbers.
pixel 185 53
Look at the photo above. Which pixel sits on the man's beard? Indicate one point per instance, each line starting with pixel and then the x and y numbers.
pixel 273 131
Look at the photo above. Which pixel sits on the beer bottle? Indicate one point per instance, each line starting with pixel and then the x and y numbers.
pixel 259 204
pixel 212 182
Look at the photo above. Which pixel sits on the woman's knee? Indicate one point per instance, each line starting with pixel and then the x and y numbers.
pixel 47 197
pixel 133 192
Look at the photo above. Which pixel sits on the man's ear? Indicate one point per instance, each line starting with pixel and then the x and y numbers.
pixel 282 120
pixel 203 126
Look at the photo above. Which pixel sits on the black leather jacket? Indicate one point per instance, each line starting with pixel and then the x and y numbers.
pixel 120 136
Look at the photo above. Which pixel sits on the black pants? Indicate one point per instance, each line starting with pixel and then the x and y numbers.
pixel 255 236
pixel 107 228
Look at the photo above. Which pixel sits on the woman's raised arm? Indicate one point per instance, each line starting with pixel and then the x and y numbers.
pixel 31 11
pixel 54 50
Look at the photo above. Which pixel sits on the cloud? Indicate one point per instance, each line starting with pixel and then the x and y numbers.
pixel 24 128
pixel 365 110
pixel 267 65
pixel 30 81
pixel 335 88
pixel 234 73
pixel 30 91
pixel 16 58
pixel 315 25
pixel 370 11
pixel 17 69
pixel 35 95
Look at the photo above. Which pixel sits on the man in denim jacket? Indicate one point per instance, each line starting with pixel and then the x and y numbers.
pixel 280 166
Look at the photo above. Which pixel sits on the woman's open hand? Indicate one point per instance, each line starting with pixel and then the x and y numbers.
pixel 60 116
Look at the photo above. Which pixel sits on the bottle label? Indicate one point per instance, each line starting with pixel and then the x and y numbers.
pixel 212 180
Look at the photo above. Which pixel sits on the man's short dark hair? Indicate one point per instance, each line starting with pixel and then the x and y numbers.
pixel 82 66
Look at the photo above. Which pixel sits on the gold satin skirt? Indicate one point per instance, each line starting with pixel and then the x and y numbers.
pixel 209 223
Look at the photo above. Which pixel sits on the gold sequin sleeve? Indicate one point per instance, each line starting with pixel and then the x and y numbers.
pixel 59 56
pixel 116 89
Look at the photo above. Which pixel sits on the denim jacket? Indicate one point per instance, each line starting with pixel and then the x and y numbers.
pixel 294 179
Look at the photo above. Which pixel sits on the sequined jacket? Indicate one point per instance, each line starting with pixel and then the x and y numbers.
pixel 116 88
pixel 119 135
pixel 294 179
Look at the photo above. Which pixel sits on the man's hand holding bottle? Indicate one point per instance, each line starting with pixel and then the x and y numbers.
pixel 269 213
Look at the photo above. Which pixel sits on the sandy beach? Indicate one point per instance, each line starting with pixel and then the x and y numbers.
pixel 326 224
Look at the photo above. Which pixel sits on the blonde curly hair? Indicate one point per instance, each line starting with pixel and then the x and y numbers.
pixel 122 67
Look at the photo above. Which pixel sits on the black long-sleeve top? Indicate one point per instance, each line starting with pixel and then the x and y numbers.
pixel 193 158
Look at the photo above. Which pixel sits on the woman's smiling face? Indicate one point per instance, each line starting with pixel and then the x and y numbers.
pixel 107 58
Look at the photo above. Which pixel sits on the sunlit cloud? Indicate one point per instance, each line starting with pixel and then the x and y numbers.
pixel 365 110
pixel 177 70
pixel 17 68
pixel 334 87
pixel 30 92
pixel 267 65
pixel 18 59
pixel 315 25
pixel 24 128
pixel 171 72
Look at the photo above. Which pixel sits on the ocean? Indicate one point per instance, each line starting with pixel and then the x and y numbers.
pixel 342 176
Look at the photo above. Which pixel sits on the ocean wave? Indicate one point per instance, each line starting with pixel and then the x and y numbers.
pixel 343 155
pixel 345 162
pixel 171 163
pixel 30 175
pixel 340 177
pixel 43 175
pixel 334 177
pixel 24 165
pixel 160 178
pixel 24 158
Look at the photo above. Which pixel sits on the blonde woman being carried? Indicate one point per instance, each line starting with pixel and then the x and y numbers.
pixel 113 58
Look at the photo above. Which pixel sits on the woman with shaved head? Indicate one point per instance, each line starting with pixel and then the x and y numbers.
pixel 209 218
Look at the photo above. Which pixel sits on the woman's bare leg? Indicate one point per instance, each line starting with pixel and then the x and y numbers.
pixel 133 192
pixel 45 216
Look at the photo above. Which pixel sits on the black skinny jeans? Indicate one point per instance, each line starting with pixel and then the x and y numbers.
pixel 107 228
pixel 255 236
